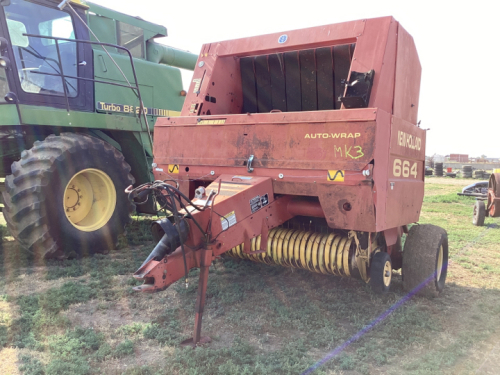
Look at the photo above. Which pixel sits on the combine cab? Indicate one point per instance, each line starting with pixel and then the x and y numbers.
pixel 299 149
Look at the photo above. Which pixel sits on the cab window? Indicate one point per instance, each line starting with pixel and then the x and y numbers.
pixel 132 38
pixel 58 28
pixel 38 64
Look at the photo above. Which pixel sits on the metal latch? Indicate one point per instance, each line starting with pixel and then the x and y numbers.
pixel 249 164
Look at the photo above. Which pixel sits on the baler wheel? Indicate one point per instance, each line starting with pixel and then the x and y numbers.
pixel 380 272
pixel 66 196
pixel 479 213
pixel 425 259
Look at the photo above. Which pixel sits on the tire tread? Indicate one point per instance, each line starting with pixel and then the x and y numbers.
pixel 23 195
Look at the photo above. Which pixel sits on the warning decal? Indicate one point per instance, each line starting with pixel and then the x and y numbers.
pixel 335 175
pixel 212 122
pixel 228 220
pixel 173 168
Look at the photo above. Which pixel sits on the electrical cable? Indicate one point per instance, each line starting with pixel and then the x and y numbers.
pixel 169 202
pixel 177 224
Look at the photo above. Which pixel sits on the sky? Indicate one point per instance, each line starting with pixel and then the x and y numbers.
pixel 457 43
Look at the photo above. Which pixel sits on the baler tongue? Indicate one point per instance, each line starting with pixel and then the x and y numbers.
pixel 236 210
pixel 140 274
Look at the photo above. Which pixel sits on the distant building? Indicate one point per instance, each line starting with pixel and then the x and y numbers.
pixel 461 158
pixel 493 160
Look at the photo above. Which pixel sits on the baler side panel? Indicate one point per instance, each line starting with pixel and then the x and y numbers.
pixel 408 73
pixel 215 88
pixel 406 173
pixel 384 80
pixel 360 216
pixel 380 173
pixel 369 54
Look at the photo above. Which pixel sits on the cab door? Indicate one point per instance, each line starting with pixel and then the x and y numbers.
pixel 46 71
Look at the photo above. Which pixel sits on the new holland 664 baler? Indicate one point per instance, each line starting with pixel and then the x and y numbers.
pixel 300 149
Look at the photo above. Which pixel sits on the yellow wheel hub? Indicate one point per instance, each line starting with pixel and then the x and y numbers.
pixel 89 200
pixel 387 273
pixel 439 265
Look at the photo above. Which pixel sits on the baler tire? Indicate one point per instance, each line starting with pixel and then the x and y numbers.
pixel 479 213
pixel 425 260
pixel 35 208
pixel 381 272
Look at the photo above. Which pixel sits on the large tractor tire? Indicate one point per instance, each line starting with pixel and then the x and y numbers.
pixel 66 196
pixel 425 259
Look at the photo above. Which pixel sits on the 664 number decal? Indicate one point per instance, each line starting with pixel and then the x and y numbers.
pixel 404 168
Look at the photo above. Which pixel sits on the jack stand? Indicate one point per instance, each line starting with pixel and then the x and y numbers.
pixel 206 259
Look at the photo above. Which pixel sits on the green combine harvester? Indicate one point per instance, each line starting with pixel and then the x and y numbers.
pixel 81 87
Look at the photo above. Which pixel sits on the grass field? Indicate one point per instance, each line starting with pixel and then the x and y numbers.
pixel 82 317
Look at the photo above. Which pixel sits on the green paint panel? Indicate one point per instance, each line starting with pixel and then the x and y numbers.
pixel 9 115
pixel 160 85
pixel 105 30
pixel 34 115
pixel 151 30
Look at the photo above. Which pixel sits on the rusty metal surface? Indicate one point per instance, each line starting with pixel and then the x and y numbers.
pixel 369 54
pixel 493 206
pixel 408 73
pixel 302 207
pixel 384 81
pixel 327 145
pixel 300 166
pixel 313 37
pixel 206 260
pixel 405 169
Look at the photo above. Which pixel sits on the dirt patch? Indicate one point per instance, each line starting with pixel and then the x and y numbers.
pixel 110 315
pixel 145 354
pixel 8 361
pixel 491 362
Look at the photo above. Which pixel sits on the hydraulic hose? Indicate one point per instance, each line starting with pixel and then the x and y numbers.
pixel 175 236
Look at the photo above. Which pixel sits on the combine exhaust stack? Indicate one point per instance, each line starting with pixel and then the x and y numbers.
pixel 283 129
